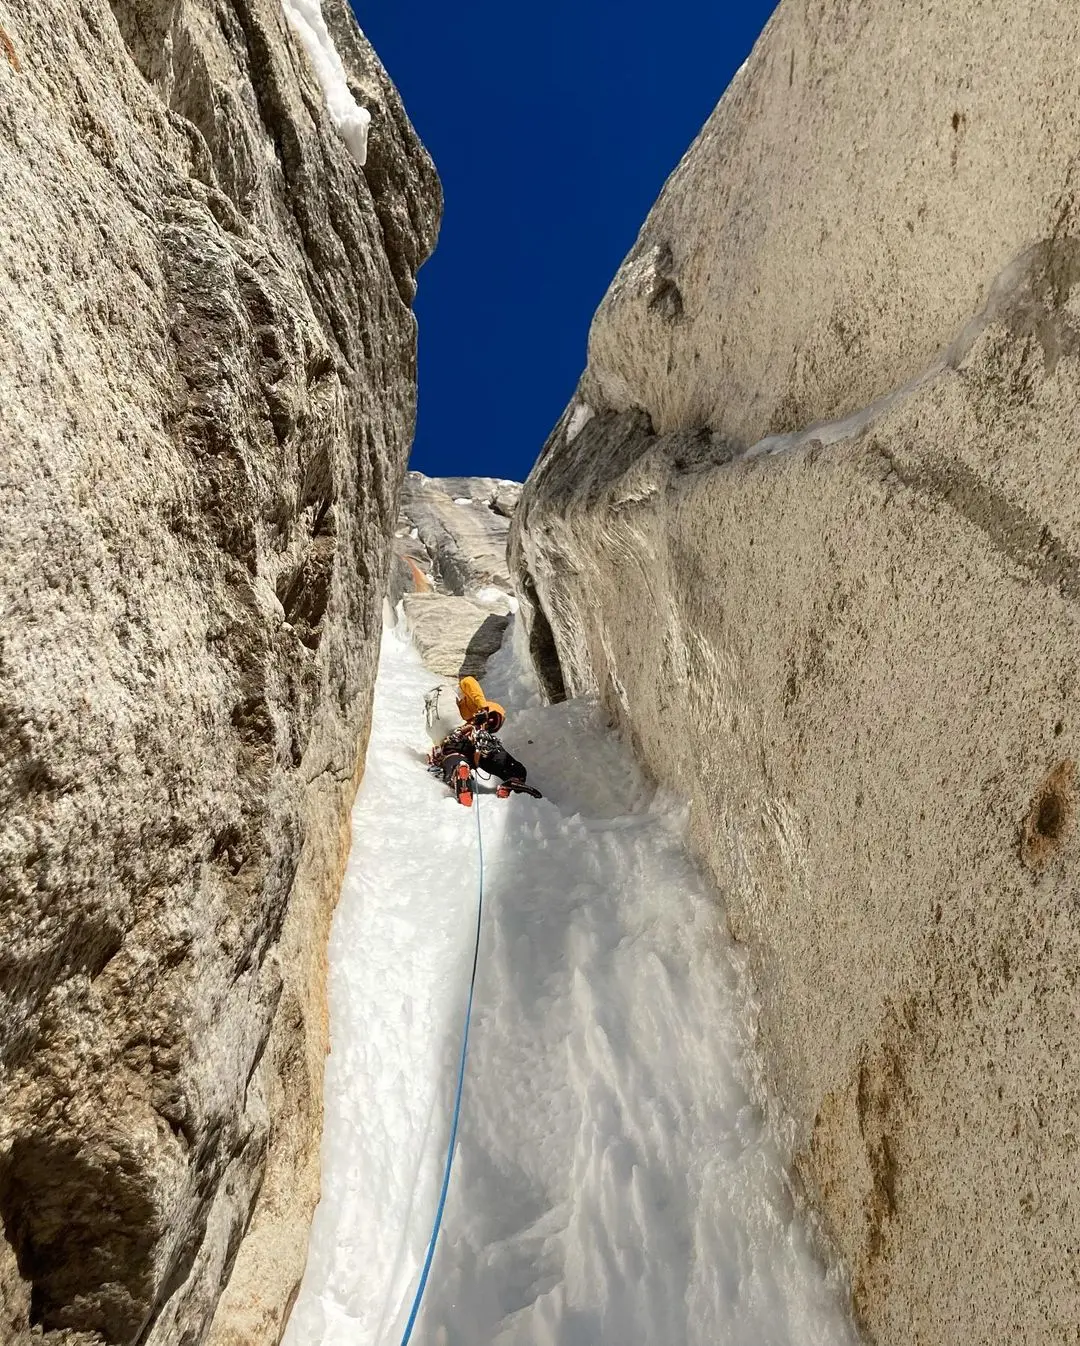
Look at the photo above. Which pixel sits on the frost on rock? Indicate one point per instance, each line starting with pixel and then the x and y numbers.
pixel 582 415
pixel 351 120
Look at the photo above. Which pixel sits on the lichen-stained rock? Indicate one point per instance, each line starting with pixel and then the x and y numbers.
pixel 207 370
pixel 811 526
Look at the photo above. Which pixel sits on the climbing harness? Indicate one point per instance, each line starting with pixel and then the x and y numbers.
pixel 460 1084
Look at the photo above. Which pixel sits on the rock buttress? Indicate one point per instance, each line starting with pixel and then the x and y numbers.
pixel 449 569
pixel 811 528
pixel 207 370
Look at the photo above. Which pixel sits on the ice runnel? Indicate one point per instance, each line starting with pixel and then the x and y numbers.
pixel 615 1182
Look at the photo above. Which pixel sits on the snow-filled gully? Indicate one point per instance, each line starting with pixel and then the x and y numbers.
pixel 615 1180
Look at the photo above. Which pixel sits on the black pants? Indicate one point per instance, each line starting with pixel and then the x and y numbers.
pixel 498 763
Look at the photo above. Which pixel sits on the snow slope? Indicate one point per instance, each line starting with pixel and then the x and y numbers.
pixel 616 1182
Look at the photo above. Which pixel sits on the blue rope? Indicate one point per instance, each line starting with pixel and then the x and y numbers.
pixel 457 1100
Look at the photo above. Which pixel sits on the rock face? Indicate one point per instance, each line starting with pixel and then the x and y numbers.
pixel 812 528
pixel 450 568
pixel 207 368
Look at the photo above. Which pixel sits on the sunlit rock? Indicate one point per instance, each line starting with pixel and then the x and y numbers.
pixel 207 378
pixel 818 549
pixel 450 570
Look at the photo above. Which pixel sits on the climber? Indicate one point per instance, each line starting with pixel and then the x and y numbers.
pixel 474 745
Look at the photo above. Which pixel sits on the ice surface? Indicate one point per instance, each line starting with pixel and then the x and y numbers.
pixel 351 120
pixel 615 1182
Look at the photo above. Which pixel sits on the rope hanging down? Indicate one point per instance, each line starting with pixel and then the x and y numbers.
pixel 457 1098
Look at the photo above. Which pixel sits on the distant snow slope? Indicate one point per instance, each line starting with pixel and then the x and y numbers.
pixel 615 1182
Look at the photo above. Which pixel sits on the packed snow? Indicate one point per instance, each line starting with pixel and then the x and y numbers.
pixel 492 595
pixel 351 120
pixel 616 1182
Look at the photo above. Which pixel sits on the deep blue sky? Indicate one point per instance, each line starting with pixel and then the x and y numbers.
pixel 553 128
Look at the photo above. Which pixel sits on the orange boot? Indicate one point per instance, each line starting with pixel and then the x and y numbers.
pixel 463 784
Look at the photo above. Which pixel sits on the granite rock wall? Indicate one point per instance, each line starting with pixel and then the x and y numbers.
pixel 811 527
pixel 207 374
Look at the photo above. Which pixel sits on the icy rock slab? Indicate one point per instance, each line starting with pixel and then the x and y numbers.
pixel 455 636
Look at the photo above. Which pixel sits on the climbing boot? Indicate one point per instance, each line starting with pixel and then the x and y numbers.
pixel 516 787
pixel 463 784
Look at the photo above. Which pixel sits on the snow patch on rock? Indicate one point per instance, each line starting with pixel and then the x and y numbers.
pixel 352 120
